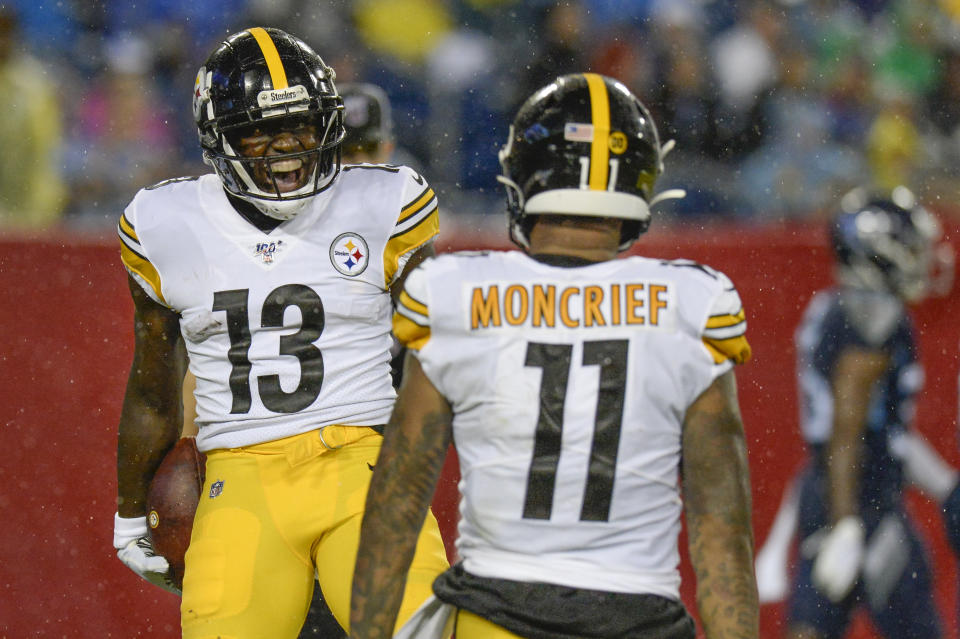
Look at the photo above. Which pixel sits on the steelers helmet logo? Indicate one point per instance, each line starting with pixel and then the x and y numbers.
pixel 618 142
pixel 349 254
pixel 153 518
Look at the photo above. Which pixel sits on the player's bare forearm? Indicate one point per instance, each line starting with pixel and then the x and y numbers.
pixel 414 448
pixel 152 410
pixel 717 502
pixel 854 376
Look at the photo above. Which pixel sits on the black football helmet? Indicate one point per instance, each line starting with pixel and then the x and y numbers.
pixel 367 117
pixel 891 244
pixel 583 145
pixel 262 82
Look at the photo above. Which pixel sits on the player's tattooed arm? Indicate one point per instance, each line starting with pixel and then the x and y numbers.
pixel 422 253
pixel 410 462
pixel 152 411
pixel 716 490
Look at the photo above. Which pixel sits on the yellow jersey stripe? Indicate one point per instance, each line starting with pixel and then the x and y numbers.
pixel 278 77
pixel 722 321
pixel 600 147
pixel 414 207
pixel 412 304
pixel 409 333
pixel 405 242
pixel 142 267
pixel 736 349
pixel 127 228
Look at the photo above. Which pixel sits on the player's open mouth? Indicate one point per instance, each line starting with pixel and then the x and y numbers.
pixel 288 174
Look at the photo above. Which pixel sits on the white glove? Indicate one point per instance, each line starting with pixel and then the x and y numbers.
pixel 838 562
pixel 136 552
pixel 773 580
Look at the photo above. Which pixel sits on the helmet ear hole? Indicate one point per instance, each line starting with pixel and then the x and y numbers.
pixel 631 231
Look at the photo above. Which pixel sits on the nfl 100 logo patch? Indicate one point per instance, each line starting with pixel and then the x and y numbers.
pixel 349 254
pixel 268 251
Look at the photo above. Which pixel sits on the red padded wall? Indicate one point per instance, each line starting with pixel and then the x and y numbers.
pixel 66 349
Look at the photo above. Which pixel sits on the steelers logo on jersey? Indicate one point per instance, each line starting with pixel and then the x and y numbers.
pixel 349 254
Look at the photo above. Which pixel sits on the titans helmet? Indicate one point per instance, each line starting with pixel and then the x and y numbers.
pixel 583 145
pixel 891 244
pixel 260 83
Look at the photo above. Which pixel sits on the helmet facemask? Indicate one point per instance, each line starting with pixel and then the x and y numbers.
pixel 277 163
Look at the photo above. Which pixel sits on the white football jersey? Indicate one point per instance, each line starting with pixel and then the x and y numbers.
pixel 569 387
pixel 286 331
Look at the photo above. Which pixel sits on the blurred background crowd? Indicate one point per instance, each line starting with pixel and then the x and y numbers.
pixel 777 106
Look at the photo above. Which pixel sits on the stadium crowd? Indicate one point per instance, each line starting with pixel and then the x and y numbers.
pixel 777 106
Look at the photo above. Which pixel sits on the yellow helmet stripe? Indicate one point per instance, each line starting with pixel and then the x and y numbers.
pixel 277 75
pixel 600 148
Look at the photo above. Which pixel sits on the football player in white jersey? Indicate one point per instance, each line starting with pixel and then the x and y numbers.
pixel 368 140
pixel 578 389
pixel 275 276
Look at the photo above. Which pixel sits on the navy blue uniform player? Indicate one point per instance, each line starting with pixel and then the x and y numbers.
pixel 951 506
pixel 859 375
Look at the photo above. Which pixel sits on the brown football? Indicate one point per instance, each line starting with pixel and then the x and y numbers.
pixel 172 501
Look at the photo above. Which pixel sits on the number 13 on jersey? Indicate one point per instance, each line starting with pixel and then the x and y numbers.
pixel 299 345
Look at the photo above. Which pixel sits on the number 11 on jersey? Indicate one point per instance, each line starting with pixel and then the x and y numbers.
pixel 555 361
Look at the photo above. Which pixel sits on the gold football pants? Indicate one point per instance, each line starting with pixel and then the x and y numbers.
pixel 273 515
pixel 468 625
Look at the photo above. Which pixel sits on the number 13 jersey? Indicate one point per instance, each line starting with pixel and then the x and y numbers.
pixel 286 331
pixel 569 387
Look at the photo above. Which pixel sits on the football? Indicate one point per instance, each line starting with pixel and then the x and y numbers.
pixel 172 501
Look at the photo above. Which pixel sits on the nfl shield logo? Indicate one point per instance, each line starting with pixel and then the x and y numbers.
pixel 216 488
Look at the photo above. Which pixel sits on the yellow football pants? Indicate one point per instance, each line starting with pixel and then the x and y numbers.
pixel 470 626
pixel 273 515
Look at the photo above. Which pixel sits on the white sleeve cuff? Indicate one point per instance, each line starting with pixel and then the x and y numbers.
pixel 127 529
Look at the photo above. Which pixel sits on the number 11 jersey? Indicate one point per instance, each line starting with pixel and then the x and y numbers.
pixel 569 386
pixel 286 331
